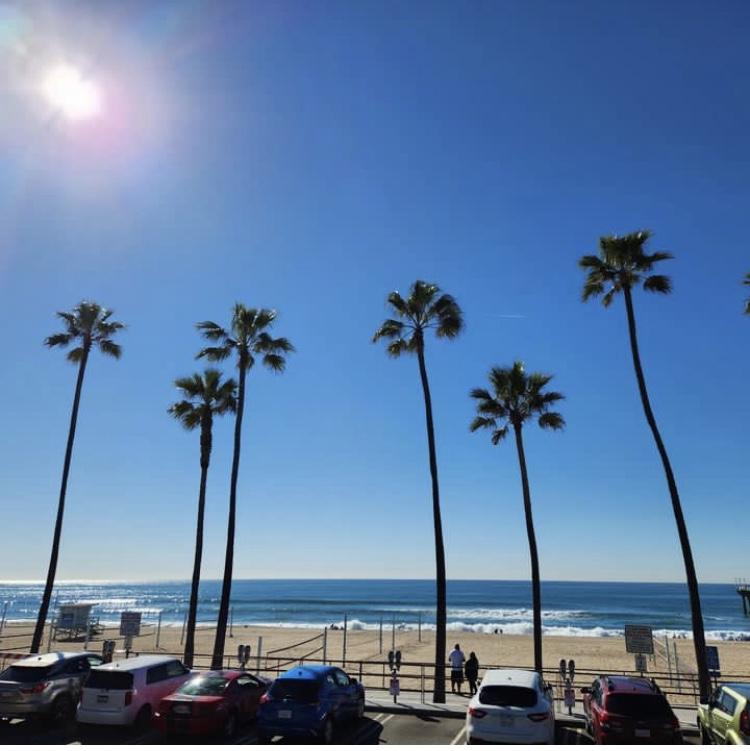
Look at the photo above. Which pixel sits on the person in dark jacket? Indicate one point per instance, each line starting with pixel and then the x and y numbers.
pixel 471 671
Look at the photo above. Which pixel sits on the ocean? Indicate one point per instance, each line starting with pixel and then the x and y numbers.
pixel 590 609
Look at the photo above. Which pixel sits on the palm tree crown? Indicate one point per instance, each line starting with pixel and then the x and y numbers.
pixel 89 324
pixel 248 338
pixel 424 308
pixel 746 281
pixel 623 263
pixel 515 398
pixel 205 395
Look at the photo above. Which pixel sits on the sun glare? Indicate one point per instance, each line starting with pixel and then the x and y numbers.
pixel 71 94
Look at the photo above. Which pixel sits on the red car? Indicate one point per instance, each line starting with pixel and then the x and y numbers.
pixel 624 709
pixel 214 702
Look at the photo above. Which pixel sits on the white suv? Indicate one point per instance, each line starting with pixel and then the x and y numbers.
pixel 127 692
pixel 512 706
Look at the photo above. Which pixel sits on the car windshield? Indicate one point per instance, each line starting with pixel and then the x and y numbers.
pixel 297 690
pixel 206 685
pixel 110 679
pixel 22 674
pixel 642 706
pixel 508 696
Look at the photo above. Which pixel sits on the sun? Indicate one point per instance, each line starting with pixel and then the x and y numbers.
pixel 66 89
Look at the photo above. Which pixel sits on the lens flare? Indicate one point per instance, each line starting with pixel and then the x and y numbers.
pixel 68 92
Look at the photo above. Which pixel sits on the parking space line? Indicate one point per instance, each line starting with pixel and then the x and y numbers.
pixel 455 741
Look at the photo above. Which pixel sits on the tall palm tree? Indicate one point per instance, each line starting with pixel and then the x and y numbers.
pixel 205 395
pixel 746 281
pixel 622 265
pixel 87 325
pixel 246 338
pixel 426 308
pixel 514 398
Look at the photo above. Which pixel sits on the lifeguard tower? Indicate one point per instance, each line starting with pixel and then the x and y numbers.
pixel 74 621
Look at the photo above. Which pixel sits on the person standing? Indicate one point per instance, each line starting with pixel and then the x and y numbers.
pixel 457 659
pixel 471 668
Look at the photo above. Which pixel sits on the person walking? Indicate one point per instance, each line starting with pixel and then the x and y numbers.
pixel 471 669
pixel 457 659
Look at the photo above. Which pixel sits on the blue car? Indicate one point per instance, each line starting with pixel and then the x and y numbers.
pixel 309 701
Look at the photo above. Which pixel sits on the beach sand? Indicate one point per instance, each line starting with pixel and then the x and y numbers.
pixel 590 653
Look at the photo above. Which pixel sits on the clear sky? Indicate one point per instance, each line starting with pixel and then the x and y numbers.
pixel 312 156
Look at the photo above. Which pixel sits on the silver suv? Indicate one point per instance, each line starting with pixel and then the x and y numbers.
pixel 46 685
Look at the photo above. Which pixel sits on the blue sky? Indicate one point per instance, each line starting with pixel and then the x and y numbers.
pixel 313 156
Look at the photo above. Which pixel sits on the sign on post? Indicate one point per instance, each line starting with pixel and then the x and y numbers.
pixel 712 661
pixel 639 639
pixel 130 623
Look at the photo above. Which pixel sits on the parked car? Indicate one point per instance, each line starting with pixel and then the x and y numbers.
pixel 212 702
pixel 127 692
pixel 626 709
pixel 47 685
pixel 309 701
pixel 726 717
pixel 511 706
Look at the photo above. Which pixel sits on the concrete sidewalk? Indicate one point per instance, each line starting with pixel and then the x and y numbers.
pixel 410 702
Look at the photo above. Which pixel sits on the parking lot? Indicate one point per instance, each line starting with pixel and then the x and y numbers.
pixel 375 728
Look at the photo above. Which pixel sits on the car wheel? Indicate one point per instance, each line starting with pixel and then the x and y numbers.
pixel 359 713
pixel 143 719
pixel 326 733
pixel 230 725
pixel 61 711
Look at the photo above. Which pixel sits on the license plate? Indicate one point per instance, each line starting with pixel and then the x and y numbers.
pixel 642 733
pixel 102 698
pixel 285 714
pixel 182 710
pixel 506 722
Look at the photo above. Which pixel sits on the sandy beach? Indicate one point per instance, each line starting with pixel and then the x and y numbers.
pixel 590 654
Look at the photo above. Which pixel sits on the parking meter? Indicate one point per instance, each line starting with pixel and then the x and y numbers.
pixel 398 659
pixel 562 669
pixel 391 659
pixel 243 654
pixel 572 669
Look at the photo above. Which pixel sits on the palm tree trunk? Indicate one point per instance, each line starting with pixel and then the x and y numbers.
pixel 50 583
pixel 536 588
pixel 438 694
pixel 206 426
pixel 699 639
pixel 226 587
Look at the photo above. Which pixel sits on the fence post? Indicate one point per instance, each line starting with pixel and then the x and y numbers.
pixel 676 663
pixel 393 633
pixel 184 626
pixel 260 647
pixel 2 620
pixel 158 631
pixel 380 634
pixel 360 671
pixel 669 657
pixel 421 681
pixel 343 656
pixel 231 622
pixel 49 638
pixel 419 628
pixel 325 644
pixel 88 633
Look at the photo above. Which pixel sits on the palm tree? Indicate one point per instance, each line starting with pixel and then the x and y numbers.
pixel 426 308
pixel 514 399
pixel 621 265
pixel 246 338
pixel 746 281
pixel 205 395
pixel 87 325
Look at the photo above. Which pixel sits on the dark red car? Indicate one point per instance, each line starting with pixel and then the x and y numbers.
pixel 214 702
pixel 624 709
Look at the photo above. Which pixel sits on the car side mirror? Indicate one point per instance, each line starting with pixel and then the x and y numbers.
pixel 352 681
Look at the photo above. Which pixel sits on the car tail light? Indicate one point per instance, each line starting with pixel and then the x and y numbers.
pixel 538 716
pixel 37 688
pixel 264 699
pixel 478 713
pixel 745 721
pixel 128 698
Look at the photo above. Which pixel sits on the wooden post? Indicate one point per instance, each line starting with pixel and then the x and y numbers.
pixel 393 634
pixel 184 626
pixel 2 620
pixel 419 628
pixel 325 644
pixel 260 647
pixel 231 622
pixel 380 635
pixel 343 656
pixel 158 631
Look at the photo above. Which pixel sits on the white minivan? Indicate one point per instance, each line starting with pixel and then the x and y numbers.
pixel 128 692
pixel 512 706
